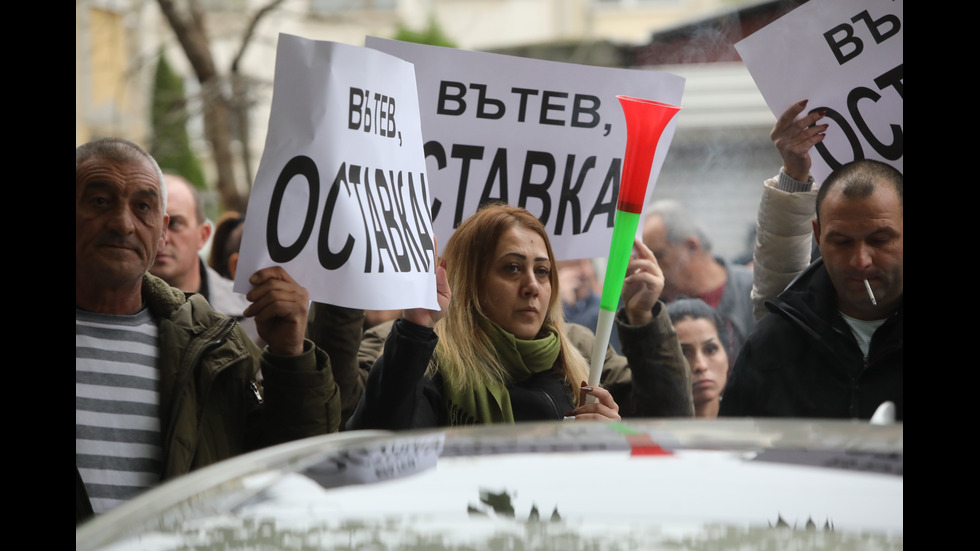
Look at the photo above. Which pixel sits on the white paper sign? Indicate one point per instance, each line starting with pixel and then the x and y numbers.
pixel 845 56
pixel 546 136
pixel 340 198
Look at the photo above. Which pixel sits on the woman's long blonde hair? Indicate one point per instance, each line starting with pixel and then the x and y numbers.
pixel 465 355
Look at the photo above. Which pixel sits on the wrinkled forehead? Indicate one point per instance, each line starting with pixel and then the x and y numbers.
pixel 127 177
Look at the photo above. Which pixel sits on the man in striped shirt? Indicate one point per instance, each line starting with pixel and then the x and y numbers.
pixel 163 384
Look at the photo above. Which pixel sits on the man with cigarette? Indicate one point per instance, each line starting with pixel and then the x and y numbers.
pixel 832 346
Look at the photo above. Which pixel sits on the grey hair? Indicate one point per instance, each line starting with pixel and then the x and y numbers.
pixel 679 222
pixel 120 150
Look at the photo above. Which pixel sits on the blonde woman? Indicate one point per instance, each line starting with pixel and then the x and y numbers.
pixel 497 351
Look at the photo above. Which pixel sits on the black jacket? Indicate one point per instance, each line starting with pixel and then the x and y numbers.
pixel 401 397
pixel 653 380
pixel 803 361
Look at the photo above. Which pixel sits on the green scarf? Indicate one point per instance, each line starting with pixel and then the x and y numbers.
pixel 491 403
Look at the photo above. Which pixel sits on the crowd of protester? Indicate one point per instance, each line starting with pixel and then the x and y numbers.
pixel 175 371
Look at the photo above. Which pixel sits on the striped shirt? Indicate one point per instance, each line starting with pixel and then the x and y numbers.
pixel 118 449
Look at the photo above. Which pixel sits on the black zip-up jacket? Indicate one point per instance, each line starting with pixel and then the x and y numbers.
pixel 802 360
pixel 653 380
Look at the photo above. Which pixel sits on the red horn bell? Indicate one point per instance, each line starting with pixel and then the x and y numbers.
pixel 645 123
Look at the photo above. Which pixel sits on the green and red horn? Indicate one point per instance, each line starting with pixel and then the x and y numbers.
pixel 645 123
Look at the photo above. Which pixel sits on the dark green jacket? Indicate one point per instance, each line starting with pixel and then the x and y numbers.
pixel 212 404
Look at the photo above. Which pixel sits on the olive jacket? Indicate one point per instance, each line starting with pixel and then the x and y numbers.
pixel 213 402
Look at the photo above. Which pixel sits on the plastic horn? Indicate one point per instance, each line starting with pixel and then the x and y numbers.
pixel 645 122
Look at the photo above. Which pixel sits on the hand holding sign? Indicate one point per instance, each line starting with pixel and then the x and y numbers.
pixel 794 138
pixel 424 316
pixel 340 198
pixel 279 306
pixel 846 57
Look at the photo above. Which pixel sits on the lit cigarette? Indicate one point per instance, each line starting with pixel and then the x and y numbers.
pixel 871 293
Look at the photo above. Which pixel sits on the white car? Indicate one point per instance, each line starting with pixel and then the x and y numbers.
pixel 636 484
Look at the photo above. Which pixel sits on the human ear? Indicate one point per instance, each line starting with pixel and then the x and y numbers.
pixel 162 242
pixel 205 234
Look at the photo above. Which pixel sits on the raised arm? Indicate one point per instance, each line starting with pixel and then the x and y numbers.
pixel 300 396
pixel 397 395
pixel 783 236
pixel 661 379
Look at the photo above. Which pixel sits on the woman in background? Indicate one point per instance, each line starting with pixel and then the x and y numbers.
pixel 702 334
pixel 225 243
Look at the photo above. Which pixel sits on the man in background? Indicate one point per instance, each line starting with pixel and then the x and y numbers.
pixel 178 262
pixel 683 251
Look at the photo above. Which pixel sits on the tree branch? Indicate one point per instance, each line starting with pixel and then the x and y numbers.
pixel 192 38
pixel 250 30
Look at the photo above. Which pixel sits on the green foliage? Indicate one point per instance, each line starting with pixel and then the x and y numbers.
pixel 431 35
pixel 170 145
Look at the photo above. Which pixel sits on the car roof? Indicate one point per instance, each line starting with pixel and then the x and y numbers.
pixel 659 483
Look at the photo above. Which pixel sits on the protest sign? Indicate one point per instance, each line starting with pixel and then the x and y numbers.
pixel 340 197
pixel 844 56
pixel 546 136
